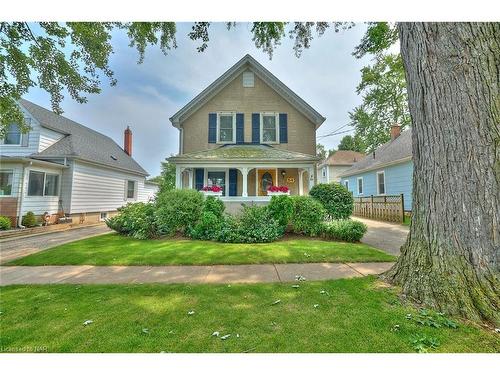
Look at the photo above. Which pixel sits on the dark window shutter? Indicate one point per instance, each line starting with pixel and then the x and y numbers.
pixel 256 128
pixel 199 176
pixel 240 125
pixel 212 128
pixel 283 128
pixel 233 182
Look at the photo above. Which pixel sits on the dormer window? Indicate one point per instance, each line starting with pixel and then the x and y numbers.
pixel 226 128
pixel 269 129
pixel 13 135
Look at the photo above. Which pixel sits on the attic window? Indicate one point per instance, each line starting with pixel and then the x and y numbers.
pixel 113 157
pixel 248 79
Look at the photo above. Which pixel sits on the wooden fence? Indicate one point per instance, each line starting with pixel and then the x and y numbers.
pixel 381 207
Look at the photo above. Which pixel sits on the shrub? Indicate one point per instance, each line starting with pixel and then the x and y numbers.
pixel 135 220
pixel 308 216
pixel 254 225
pixel 29 220
pixel 208 228
pixel 345 230
pixel 214 205
pixel 335 198
pixel 178 210
pixel 5 223
pixel 281 209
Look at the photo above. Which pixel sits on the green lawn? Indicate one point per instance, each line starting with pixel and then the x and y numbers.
pixel 113 249
pixel 353 315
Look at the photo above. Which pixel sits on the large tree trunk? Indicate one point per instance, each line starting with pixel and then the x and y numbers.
pixel 450 260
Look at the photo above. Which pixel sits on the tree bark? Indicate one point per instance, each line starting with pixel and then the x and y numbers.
pixel 450 260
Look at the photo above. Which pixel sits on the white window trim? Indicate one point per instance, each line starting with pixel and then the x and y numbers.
pixel 136 188
pixel 12 188
pixel 218 141
pixel 14 144
pixel 43 186
pixel 362 185
pixel 277 125
pixel 378 186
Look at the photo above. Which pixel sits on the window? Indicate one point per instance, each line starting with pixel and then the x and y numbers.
pixel 381 183
pixel 226 128
pixel 360 185
pixel 51 185
pixel 35 183
pixel 104 216
pixel 13 135
pixel 218 179
pixel 130 189
pixel 323 172
pixel 269 128
pixel 6 182
pixel 347 184
pixel 248 79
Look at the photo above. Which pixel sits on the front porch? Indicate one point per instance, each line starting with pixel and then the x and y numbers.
pixel 246 184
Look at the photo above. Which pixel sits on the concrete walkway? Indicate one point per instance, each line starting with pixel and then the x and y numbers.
pixel 186 274
pixel 385 236
pixel 18 247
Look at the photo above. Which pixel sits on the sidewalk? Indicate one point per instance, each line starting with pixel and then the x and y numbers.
pixel 186 274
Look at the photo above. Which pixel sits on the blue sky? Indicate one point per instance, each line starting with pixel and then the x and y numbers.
pixel 146 95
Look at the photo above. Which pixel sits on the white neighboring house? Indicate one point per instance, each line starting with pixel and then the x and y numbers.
pixel 66 169
pixel 329 170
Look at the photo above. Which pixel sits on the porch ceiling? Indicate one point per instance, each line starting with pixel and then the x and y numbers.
pixel 244 153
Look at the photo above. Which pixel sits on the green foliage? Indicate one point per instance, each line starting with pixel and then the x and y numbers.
pixel 166 180
pixel 5 223
pixel 422 343
pixel 351 143
pixel 321 151
pixel 345 230
pixel 385 102
pixel 178 210
pixel 335 198
pixel 378 37
pixel 254 225
pixel 431 319
pixel 29 220
pixel 135 220
pixel 308 216
pixel 64 57
pixel 281 209
pixel 211 221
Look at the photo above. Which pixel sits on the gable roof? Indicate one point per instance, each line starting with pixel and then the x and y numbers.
pixel 244 153
pixel 265 75
pixel 343 157
pixel 392 152
pixel 80 142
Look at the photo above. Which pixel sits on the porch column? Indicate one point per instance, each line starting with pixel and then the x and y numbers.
pixel 190 175
pixel 310 175
pixel 178 177
pixel 244 173
pixel 301 182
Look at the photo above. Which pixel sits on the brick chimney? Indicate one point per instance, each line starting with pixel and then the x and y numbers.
pixel 395 131
pixel 127 142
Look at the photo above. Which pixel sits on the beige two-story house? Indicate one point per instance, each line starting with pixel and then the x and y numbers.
pixel 245 132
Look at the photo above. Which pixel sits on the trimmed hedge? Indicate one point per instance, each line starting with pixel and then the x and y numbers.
pixel 345 230
pixel 335 198
pixel 5 223
pixel 281 209
pixel 308 216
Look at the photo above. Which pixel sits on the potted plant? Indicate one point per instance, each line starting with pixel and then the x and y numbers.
pixel 212 190
pixel 278 190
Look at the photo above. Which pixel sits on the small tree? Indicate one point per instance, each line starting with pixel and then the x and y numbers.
pixel 29 220
pixel 335 198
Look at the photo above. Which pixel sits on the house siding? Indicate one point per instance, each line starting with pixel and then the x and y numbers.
pixel 247 100
pixel 33 140
pixel 99 189
pixel 398 180
pixel 48 138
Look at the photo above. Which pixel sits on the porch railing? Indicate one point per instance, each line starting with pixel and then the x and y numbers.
pixel 380 207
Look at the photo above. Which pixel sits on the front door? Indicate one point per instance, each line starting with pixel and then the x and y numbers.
pixel 265 179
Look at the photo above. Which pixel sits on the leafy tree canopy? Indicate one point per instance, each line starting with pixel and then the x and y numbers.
pixel 351 143
pixel 73 57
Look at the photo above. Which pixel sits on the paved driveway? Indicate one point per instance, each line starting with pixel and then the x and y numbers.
pixel 385 236
pixel 14 248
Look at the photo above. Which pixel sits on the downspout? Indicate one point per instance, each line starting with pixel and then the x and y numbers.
pixel 21 195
